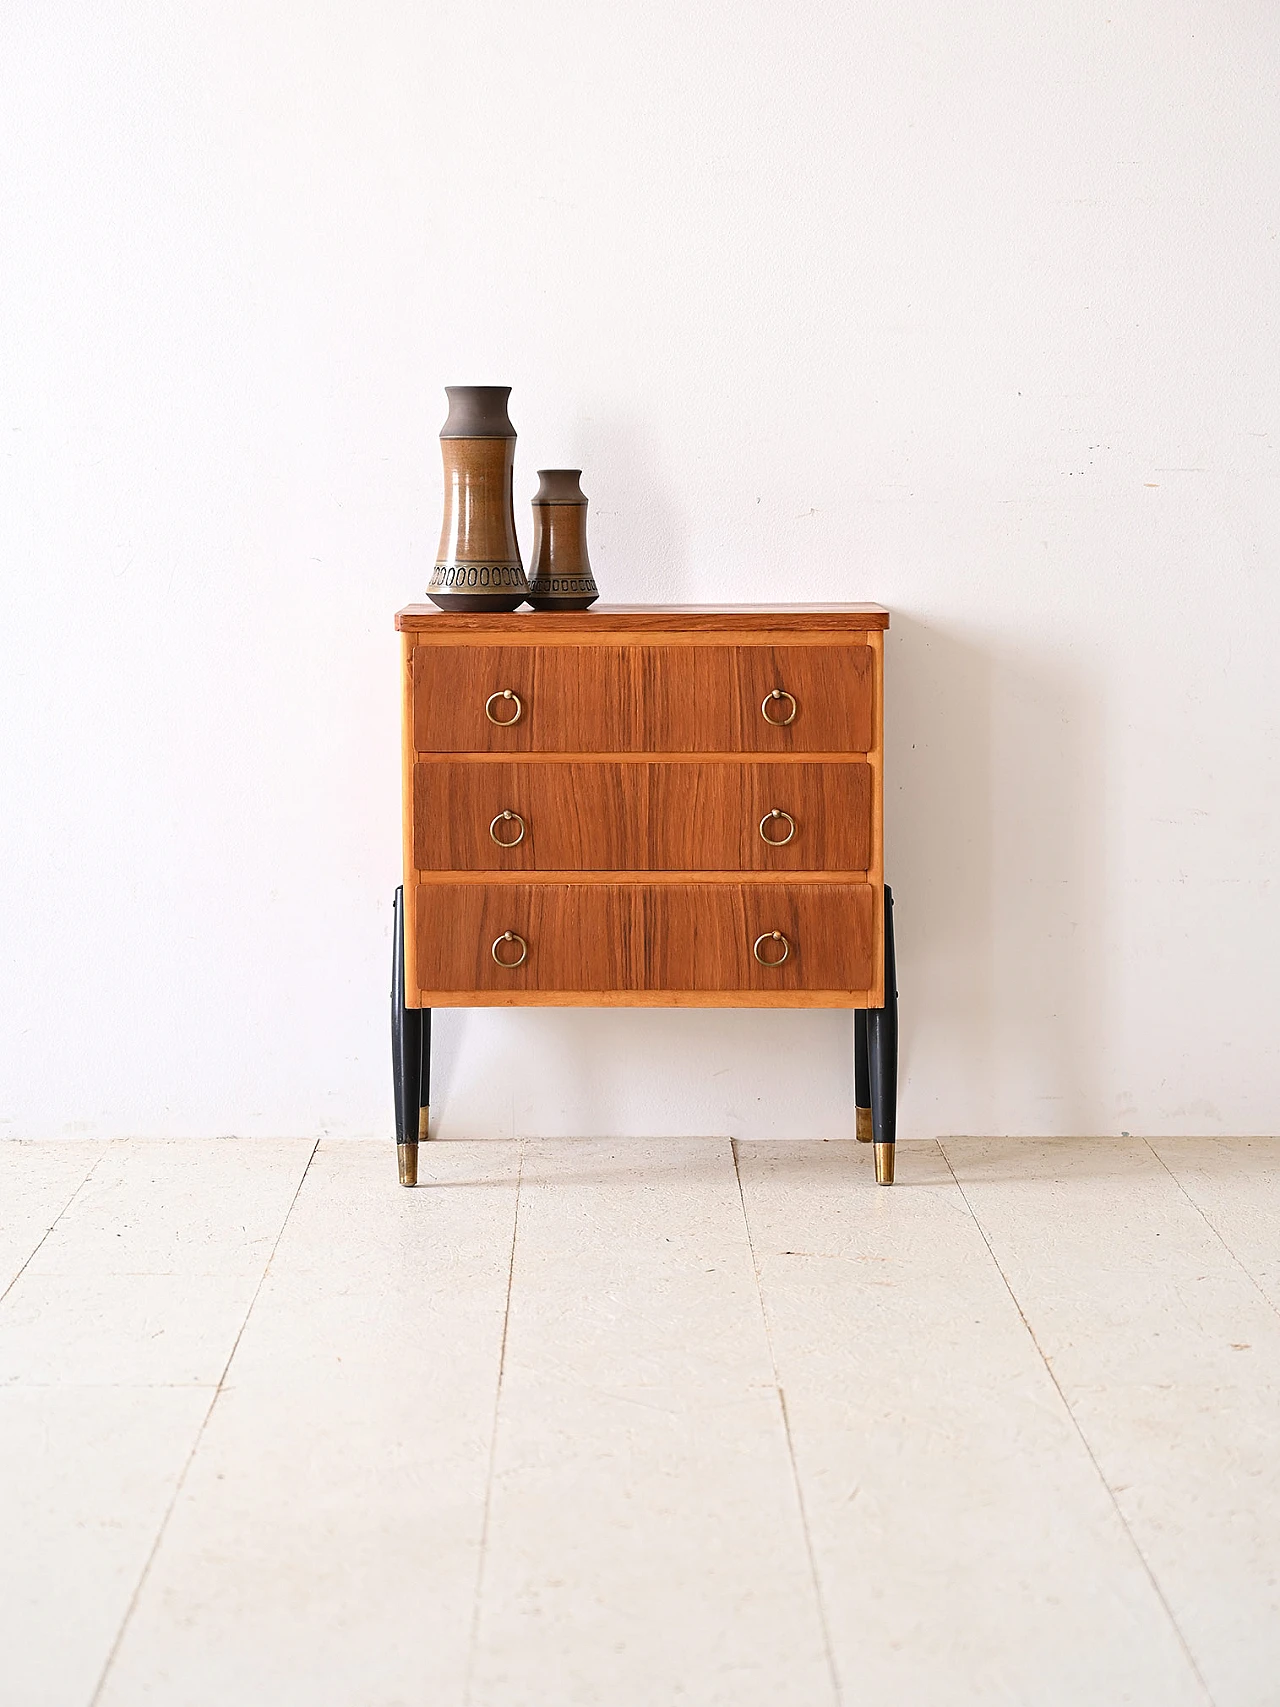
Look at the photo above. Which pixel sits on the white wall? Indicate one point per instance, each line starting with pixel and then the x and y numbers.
pixel 968 309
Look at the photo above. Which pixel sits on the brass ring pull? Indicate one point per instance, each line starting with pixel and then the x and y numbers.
pixel 779 722
pixel 504 722
pixel 777 841
pixel 772 936
pixel 506 817
pixel 510 965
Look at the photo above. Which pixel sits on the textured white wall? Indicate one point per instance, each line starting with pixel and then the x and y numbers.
pixel 968 309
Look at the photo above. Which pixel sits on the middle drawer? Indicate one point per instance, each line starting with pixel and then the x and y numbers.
pixel 482 815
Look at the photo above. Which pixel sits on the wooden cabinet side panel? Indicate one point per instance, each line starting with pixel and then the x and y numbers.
pixel 875 760
pixel 407 878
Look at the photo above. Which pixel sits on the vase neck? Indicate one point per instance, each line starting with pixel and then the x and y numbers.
pixel 478 412
pixel 559 486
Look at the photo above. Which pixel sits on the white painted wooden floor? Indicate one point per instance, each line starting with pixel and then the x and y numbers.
pixel 640 1423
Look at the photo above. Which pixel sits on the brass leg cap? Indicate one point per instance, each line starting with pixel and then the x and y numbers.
pixel 424 1120
pixel 864 1126
pixel 407 1156
pixel 884 1164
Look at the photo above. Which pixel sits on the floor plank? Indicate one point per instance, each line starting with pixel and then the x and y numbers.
pixel 211 1206
pixel 645 1542
pixel 1235 1184
pixel 985 1526
pixel 1170 1359
pixel 37 1182
pixel 966 1547
pixel 86 1475
pixel 112 1341
pixel 325 1546
pixel 148 1275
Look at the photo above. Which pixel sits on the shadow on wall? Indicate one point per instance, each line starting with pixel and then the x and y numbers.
pixel 995 843
pixel 642 1072
pixel 994 848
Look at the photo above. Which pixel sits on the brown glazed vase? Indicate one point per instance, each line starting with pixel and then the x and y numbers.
pixel 478 564
pixel 561 578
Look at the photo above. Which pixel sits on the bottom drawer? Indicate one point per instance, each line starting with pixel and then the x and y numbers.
pixel 699 938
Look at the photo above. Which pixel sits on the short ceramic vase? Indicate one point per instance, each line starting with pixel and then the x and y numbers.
pixel 561 577
pixel 478 564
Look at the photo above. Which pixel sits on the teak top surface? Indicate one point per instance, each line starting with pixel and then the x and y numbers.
pixel 649 619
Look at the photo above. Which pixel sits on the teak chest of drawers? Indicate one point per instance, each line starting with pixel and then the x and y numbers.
pixel 644 806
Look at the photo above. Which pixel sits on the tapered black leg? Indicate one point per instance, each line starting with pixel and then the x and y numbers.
pixel 861 1075
pixel 406 1054
pixel 882 1057
pixel 424 1074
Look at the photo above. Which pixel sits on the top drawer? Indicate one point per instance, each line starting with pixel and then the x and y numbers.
pixel 644 699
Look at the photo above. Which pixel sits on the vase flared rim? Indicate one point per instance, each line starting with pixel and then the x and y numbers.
pixel 477 412
pixel 559 486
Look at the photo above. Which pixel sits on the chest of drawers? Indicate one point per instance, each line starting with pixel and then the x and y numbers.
pixel 644 806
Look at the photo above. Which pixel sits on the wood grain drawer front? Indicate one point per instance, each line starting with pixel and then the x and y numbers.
pixel 711 699
pixel 655 699
pixel 582 937
pixel 683 816
pixel 645 937
pixel 571 699
pixel 702 936
pixel 719 817
pixel 575 817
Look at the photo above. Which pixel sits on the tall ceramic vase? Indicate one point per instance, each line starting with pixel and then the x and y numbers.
pixel 561 577
pixel 478 564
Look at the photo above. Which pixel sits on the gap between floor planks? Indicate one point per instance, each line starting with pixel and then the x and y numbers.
pixel 977 1169
pixel 1147 1271
pixel 204 1423
pixel 95 1382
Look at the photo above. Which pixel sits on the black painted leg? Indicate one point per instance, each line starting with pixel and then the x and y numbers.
pixel 406 1054
pixel 424 1075
pixel 861 1075
pixel 882 1057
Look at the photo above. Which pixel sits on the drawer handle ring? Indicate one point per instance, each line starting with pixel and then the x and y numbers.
pixel 777 841
pixel 779 722
pixel 504 722
pixel 772 936
pixel 509 818
pixel 509 936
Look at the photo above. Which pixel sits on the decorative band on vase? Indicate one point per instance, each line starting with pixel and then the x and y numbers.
pixel 548 584
pixel 496 577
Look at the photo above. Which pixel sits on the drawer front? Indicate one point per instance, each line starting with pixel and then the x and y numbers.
pixel 571 817
pixel 576 937
pixel 694 937
pixel 641 817
pixel 567 699
pixel 720 699
pixel 659 699
pixel 759 817
pixel 702 936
